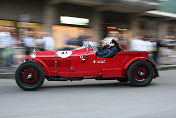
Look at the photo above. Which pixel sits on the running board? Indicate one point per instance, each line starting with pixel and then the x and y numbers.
pixel 64 79
pixel 57 78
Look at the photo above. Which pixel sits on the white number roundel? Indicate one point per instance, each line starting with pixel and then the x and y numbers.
pixel 64 54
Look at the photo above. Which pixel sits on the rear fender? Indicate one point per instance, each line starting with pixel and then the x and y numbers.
pixel 40 62
pixel 151 62
pixel 140 58
pixel 133 60
pixel 156 74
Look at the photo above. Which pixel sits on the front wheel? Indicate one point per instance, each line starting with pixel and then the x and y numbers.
pixel 29 76
pixel 140 73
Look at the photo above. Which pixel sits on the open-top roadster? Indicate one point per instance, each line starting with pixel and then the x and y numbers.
pixel 135 67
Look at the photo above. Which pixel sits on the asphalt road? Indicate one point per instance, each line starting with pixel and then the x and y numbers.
pixel 91 99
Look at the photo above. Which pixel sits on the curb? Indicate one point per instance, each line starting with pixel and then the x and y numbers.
pixel 160 68
pixel 167 67
pixel 7 75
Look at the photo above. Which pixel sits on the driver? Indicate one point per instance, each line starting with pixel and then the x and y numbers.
pixel 112 50
pixel 104 50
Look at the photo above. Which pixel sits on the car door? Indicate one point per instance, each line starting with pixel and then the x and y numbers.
pixel 65 61
pixel 86 65
pixel 92 66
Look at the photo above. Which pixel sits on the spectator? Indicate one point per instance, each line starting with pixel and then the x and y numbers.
pixel 48 42
pixel 39 42
pixel 7 48
pixel 70 43
pixel 148 43
pixel 138 44
pixel 82 37
pixel 156 48
pixel 28 42
pixel 110 37
pixel 123 41
pixel 92 43
pixel 168 45
pixel 1 46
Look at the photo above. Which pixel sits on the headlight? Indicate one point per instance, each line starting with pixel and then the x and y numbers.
pixel 33 53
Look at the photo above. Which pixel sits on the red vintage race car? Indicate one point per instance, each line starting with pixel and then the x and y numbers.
pixel 82 63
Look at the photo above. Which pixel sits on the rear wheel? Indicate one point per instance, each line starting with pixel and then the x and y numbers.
pixel 140 73
pixel 29 76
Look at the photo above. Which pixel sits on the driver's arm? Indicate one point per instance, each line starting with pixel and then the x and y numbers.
pixel 102 52
pixel 111 53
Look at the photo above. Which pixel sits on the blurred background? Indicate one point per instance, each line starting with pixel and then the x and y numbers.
pixel 144 25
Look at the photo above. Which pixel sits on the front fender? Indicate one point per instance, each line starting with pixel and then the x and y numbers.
pixel 40 62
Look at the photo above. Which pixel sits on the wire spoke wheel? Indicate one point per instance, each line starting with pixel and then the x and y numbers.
pixel 29 76
pixel 140 73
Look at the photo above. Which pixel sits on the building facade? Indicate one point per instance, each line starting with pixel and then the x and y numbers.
pixel 162 21
pixel 96 17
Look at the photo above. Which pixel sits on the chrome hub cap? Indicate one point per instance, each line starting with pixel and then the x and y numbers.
pixel 141 73
pixel 29 76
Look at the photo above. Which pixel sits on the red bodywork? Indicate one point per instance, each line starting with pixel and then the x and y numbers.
pixel 79 63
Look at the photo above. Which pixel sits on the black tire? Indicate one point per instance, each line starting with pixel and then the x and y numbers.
pixel 122 79
pixel 140 73
pixel 29 76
